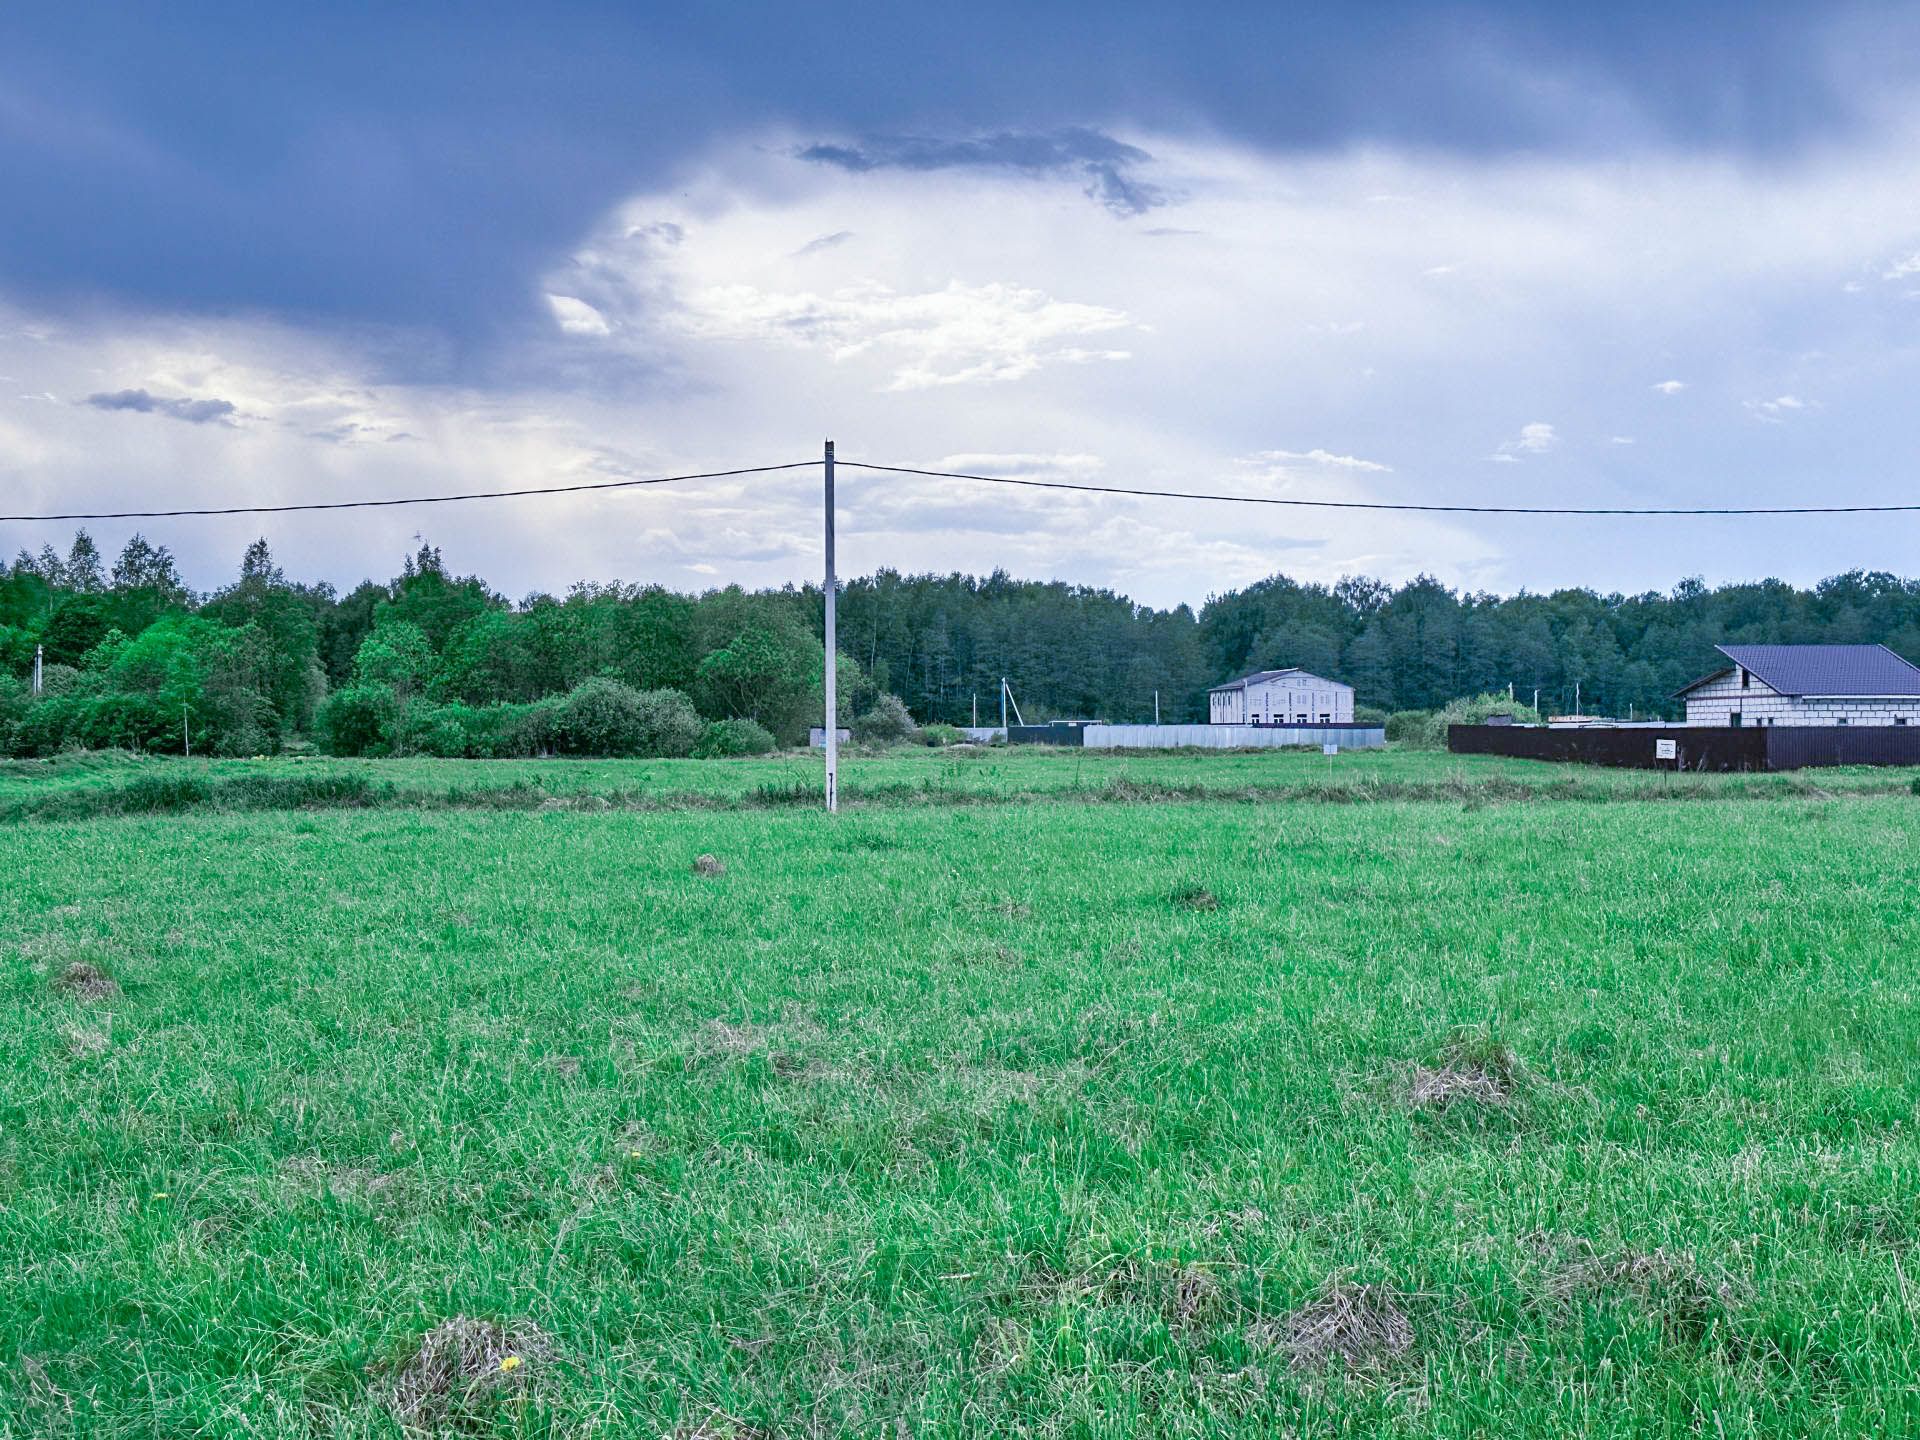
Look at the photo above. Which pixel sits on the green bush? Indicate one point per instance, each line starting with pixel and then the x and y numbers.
pixel 50 725
pixel 734 737
pixel 433 731
pixel 1407 727
pixel 601 716
pixel 887 723
pixel 1430 733
pixel 1369 715
pixel 358 720
pixel 937 734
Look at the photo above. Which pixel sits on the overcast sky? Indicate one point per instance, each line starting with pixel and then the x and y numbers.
pixel 1491 254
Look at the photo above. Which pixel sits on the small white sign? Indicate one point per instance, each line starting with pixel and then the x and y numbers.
pixel 1666 749
pixel 1329 749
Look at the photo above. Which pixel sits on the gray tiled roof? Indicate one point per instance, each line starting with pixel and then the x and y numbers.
pixel 1260 676
pixel 1854 670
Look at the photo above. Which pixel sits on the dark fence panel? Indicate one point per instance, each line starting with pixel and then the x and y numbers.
pixel 1696 747
pixel 1059 732
pixel 1791 747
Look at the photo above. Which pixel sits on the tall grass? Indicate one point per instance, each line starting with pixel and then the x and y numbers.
pixel 1407 1118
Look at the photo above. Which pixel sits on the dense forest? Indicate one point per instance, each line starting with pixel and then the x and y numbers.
pixel 438 663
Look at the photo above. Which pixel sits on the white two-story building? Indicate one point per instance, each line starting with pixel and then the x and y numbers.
pixel 1280 697
pixel 1806 685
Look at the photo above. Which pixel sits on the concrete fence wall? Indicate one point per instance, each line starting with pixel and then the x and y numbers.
pixel 1232 737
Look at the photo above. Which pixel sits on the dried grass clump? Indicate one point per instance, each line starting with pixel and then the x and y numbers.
pixel 461 1363
pixel 86 982
pixel 1360 1326
pixel 1196 897
pixel 1482 1072
pixel 1668 1286
pixel 709 865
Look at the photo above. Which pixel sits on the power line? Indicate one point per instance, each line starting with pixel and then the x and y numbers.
pixel 1391 505
pixel 417 499
pixel 1074 485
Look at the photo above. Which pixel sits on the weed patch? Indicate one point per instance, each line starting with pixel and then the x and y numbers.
pixel 85 981
pixel 1195 897
pixel 461 1367
pixel 1361 1327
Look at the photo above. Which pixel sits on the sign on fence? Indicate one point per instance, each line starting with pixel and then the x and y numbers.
pixel 1666 749
pixel 1329 748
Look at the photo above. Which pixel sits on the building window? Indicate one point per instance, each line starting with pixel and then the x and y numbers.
pixel 1841 721
pixel 1325 718
pixel 1733 719
pixel 1745 677
pixel 1899 719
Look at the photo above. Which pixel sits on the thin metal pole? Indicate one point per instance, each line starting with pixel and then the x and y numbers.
pixel 186 738
pixel 833 652
pixel 1156 707
pixel 1003 705
pixel 38 651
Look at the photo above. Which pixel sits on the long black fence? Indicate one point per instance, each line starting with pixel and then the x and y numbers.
pixel 1696 747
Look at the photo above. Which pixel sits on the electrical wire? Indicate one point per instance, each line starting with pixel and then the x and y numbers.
pixel 1384 504
pixel 416 499
pixel 1074 485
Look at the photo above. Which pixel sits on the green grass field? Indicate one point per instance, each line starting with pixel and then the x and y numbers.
pixel 1491 1111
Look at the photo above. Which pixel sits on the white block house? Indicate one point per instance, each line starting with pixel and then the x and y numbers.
pixel 1280 697
pixel 1806 685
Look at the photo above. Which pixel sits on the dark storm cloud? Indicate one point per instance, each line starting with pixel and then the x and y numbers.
pixel 194 412
pixel 1101 161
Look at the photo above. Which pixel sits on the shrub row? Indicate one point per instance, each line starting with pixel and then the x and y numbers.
pixel 599 716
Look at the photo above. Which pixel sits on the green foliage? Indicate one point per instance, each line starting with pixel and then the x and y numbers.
pixel 886 723
pixel 764 666
pixel 939 642
pixel 601 716
pixel 723 738
pixel 358 720
pixel 937 734
pixel 1407 727
pixel 1429 732
pixel 397 655
pixel 1369 715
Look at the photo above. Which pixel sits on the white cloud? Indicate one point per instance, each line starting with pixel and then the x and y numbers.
pixel 1901 269
pixel 1021 466
pixel 957 335
pixel 699 324
pixel 1535 438
pixel 1620 440
pixel 576 317
pixel 1325 457
pixel 1774 411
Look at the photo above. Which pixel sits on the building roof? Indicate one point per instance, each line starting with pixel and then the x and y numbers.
pixel 1855 671
pixel 1260 677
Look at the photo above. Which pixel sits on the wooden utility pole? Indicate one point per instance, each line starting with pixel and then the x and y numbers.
pixel 833 652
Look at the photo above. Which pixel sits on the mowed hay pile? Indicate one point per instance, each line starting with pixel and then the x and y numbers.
pixel 1669 1287
pixel 1479 1073
pixel 1362 1327
pixel 462 1364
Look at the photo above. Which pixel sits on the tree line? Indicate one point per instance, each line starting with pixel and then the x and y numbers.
pixel 434 662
